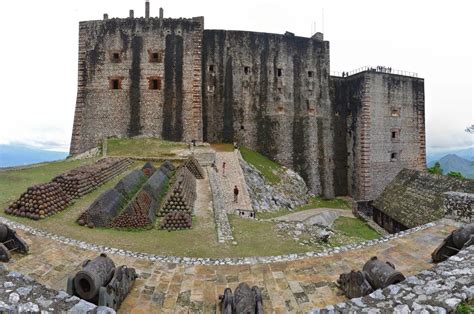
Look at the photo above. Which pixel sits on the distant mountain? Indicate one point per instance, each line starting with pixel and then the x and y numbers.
pixel 16 155
pixel 466 153
pixel 453 162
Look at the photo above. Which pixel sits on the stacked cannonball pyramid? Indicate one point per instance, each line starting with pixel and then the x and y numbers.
pixel 82 180
pixel 181 195
pixel 136 214
pixel 40 201
pixel 193 165
pixel 176 220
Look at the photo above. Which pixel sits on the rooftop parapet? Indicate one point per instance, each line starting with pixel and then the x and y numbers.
pixel 377 69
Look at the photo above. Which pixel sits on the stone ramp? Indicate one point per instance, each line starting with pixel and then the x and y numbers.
pixel 288 287
pixel 224 230
pixel 233 176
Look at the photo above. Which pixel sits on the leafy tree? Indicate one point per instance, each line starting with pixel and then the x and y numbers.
pixel 470 129
pixel 456 174
pixel 436 169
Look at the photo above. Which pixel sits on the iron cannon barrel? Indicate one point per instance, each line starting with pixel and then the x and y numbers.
pixel 3 232
pixel 380 274
pixel 94 274
pixel 460 236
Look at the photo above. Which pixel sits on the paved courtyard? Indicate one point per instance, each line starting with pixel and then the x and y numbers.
pixel 292 287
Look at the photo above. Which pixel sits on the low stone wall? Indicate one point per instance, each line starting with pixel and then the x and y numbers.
pixel 224 230
pixel 21 294
pixel 437 290
pixel 212 261
pixel 459 206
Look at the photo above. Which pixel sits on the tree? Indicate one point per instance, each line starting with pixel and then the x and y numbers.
pixel 436 169
pixel 470 129
pixel 456 174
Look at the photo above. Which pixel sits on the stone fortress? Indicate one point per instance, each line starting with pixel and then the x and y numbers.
pixel 173 79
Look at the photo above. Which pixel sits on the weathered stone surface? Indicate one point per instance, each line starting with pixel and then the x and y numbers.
pixel 289 193
pixel 414 198
pixel 28 296
pixel 459 206
pixel 438 290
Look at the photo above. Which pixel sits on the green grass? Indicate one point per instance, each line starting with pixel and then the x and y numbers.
pixel 268 168
pixel 254 238
pixel 355 228
pixel 15 181
pixel 465 307
pixel 142 147
pixel 313 202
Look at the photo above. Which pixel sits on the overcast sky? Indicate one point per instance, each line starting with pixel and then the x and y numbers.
pixel 38 55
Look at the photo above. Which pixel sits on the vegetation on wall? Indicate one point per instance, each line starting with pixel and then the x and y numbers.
pixel 268 168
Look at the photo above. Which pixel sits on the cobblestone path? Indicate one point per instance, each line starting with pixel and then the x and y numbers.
pixel 233 176
pixel 288 287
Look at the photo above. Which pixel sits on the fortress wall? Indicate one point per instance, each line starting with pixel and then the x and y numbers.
pixel 270 93
pixel 346 99
pixel 134 109
pixel 387 92
pixel 368 100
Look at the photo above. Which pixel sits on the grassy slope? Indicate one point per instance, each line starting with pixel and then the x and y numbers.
pixel 14 182
pixel 354 227
pixel 254 238
pixel 268 168
pixel 143 147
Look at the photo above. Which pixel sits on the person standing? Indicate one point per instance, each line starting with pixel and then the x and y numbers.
pixel 236 194
pixel 223 168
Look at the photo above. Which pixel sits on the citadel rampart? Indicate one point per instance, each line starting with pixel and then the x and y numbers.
pixel 382 116
pixel 171 79
pixel 138 76
pixel 270 93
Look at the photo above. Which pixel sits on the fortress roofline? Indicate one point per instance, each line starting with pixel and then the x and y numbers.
pixel 375 70
pixel 317 36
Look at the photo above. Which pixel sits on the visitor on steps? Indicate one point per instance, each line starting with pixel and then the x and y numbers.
pixel 236 194
pixel 223 168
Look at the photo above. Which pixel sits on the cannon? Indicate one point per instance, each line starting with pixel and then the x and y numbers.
pixel 243 300
pixel 9 242
pixel 455 242
pixel 374 275
pixel 101 283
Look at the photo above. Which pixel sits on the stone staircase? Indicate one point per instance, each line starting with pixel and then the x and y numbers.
pixel 233 176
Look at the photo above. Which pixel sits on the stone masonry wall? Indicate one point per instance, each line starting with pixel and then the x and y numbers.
pixel 124 49
pixel 437 290
pixel 387 92
pixel 21 294
pixel 370 106
pixel 459 206
pixel 270 93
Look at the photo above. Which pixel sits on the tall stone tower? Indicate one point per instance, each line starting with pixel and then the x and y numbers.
pixel 138 76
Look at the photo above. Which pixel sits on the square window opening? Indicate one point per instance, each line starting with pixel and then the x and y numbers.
pixel 116 57
pixel 393 156
pixel 279 72
pixel 211 68
pixel 246 70
pixel 115 84
pixel 310 73
pixel 155 84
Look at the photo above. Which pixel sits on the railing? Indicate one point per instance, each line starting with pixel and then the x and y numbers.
pixel 380 69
